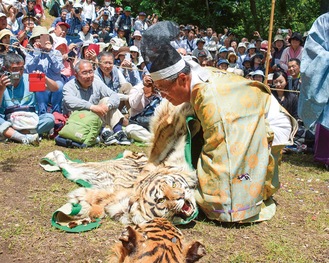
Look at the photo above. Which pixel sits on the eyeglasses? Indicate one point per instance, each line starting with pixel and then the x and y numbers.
pixel 86 73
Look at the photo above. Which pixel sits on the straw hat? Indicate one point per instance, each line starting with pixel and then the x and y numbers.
pixel 5 32
pixel 38 31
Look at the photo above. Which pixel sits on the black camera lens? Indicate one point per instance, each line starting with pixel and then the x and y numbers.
pixel 77 10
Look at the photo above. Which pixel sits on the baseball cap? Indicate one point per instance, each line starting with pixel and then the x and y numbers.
pixel 127 8
pixel 63 24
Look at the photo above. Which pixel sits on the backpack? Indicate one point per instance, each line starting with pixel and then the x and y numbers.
pixel 82 127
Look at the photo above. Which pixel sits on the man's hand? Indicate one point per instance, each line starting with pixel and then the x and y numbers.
pixel 4 82
pixel 100 110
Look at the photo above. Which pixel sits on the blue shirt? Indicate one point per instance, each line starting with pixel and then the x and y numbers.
pixel 18 96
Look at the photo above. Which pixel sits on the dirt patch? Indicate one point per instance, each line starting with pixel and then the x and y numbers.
pixel 29 195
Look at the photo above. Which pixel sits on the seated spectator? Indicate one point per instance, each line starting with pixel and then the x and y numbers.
pixel 200 48
pixel 127 68
pixel 241 53
pixel 294 72
pixel 61 18
pixel 294 51
pixel 68 62
pixel 137 59
pixel 258 75
pixel 202 58
pixel 125 22
pixel 222 64
pixel 86 92
pixel 3 21
pixel 43 58
pixel 137 38
pixel 119 40
pixel 15 95
pixel 27 25
pixel 85 35
pixel 88 54
pixel 251 51
pixel 60 32
pixel 113 77
pixel 288 100
pixel 94 30
pixel 140 96
pixel 256 62
pixel 29 8
pixel 105 29
pixel 222 53
pixel 12 23
pixel 247 66
pixel 141 24
pixel 232 59
pixel 5 35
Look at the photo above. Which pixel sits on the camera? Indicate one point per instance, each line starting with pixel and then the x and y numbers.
pixel 12 76
pixel 77 11
pixel 283 31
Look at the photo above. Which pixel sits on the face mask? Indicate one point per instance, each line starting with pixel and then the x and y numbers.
pixel 107 3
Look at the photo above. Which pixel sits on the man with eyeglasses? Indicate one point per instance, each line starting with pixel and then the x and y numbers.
pixel 15 96
pixel 243 130
pixel 87 92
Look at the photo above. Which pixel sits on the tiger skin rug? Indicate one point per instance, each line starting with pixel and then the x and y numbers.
pixel 155 241
pixel 137 188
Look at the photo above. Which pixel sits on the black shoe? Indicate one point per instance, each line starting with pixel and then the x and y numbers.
pixel 122 138
pixel 109 138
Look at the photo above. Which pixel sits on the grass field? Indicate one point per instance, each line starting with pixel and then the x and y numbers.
pixel 299 232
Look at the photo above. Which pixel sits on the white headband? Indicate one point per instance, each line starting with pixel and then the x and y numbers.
pixel 169 71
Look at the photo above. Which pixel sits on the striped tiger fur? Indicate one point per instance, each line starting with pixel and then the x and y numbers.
pixel 136 189
pixel 156 241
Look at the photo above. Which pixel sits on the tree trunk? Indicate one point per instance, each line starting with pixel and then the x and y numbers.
pixel 253 11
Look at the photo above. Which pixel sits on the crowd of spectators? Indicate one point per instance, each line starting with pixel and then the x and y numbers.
pixel 110 39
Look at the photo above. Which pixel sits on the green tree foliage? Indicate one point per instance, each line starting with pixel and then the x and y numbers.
pixel 242 16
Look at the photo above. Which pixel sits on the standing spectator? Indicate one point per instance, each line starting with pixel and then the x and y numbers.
pixel 107 7
pixel 88 10
pixel 294 51
pixel 15 93
pixel 141 24
pixel 314 95
pixel 125 21
pixel 190 42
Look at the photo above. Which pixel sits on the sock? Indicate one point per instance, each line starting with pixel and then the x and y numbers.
pixel 118 127
pixel 17 136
